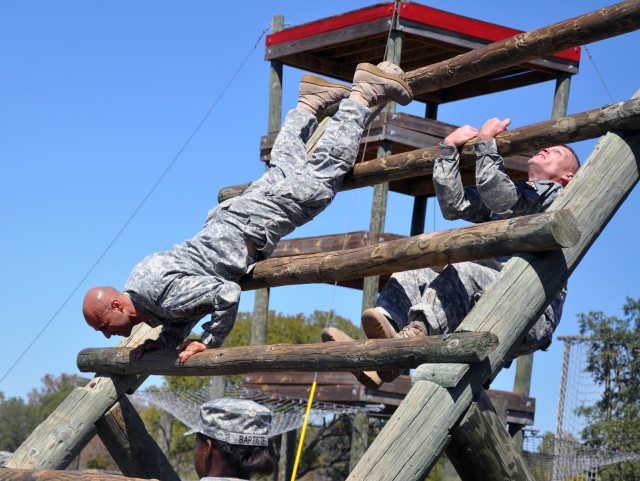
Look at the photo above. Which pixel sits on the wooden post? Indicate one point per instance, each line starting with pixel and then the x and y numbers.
pixel 414 437
pixel 524 364
pixel 261 299
pixel 481 448
pixel 420 201
pixel 287 455
pixel 61 437
pixel 371 285
pixel 131 446
pixel 165 431
pixel 359 438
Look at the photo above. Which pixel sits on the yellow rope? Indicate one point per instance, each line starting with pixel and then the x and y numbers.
pixel 304 430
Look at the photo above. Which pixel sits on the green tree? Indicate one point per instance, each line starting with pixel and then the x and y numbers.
pixel 17 420
pixel 614 362
pixel 54 390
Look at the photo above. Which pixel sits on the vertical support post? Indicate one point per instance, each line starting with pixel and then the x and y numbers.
pixel 370 285
pixel 420 201
pixel 359 438
pixel 287 455
pixel 261 300
pixel 524 365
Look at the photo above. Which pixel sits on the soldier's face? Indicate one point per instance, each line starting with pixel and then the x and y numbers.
pixel 552 163
pixel 113 323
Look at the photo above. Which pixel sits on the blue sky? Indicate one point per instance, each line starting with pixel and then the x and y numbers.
pixel 97 100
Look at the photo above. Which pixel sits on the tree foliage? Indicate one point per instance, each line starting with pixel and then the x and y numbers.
pixel 19 418
pixel 614 362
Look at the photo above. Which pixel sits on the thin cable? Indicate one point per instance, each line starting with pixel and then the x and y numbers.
pixel 137 209
pixel 604 84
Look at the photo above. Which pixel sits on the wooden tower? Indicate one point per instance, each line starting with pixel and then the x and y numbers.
pixel 446 408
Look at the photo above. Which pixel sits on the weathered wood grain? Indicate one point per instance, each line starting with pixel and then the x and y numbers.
pixel 563 130
pixel 329 356
pixel 415 436
pixel 131 446
pixel 482 449
pixel 534 233
pixel 52 475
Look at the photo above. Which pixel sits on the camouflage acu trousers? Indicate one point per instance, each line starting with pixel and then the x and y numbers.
pixel 442 300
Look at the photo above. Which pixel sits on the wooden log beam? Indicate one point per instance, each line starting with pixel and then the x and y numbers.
pixel 61 437
pixel 563 130
pixel 534 233
pixel 7 474
pixel 482 449
pixel 604 23
pixel 131 446
pixel 571 128
pixel 329 356
pixel 415 436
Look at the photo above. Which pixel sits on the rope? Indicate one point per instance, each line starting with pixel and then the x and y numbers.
pixel 344 245
pixel 604 84
pixel 136 210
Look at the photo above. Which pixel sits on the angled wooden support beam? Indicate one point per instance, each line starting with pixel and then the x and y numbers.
pixel 52 475
pixel 330 356
pixel 60 438
pixel 534 233
pixel 563 130
pixel 481 447
pixel 131 446
pixel 417 433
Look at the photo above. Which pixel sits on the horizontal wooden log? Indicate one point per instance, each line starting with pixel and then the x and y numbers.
pixel 331 242
pixel 597 25
pixel 7 474
pixel 534 233
pixel 572 128
pixel 329 356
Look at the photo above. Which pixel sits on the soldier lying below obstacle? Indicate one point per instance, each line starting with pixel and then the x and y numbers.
pixel 179 287
pixel 435 300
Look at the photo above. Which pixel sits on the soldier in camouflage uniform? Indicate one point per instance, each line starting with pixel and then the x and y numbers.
pixel 436 300
pixel 179 287
pixel 232 440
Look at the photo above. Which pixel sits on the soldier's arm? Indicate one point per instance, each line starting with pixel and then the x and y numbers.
pixel 455 201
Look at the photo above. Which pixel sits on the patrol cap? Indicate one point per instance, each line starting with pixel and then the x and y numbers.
pixel 235 421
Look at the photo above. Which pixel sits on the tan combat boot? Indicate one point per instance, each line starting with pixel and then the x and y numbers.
pixel 379 85
pixel 411 330
pixel 316 94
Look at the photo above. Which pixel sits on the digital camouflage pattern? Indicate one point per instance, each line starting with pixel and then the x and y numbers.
pixel 442 300
pixel 179 287
pixel 235 421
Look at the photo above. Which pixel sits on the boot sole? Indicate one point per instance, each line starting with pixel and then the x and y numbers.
pixel 373 70
pixel 320 82
pixel 376 326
